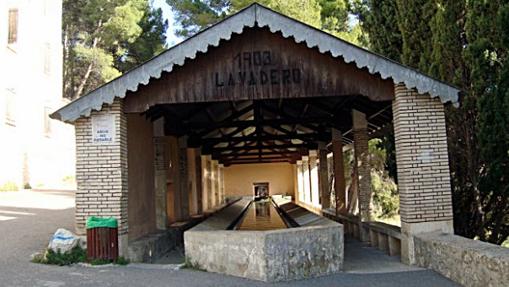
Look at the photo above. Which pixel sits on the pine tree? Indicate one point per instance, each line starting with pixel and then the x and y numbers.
pixel 99 36
pixel 328 15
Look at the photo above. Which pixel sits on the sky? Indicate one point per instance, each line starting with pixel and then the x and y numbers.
pixel 171 38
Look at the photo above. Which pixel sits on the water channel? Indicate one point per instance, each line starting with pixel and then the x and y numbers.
pixel 262 215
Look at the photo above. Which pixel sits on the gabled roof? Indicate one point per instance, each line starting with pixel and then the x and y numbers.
pixel 259 16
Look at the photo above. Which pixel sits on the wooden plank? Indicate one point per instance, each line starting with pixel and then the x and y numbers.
pixel 258 64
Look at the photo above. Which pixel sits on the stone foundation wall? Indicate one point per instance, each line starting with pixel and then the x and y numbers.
pixel 314 249
pixel 278 255
pixel 469 262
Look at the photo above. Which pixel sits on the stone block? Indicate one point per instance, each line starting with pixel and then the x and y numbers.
pixel 278 255
pixel 469 262
pixel 394 246
pixel 149 248
pixel 383 242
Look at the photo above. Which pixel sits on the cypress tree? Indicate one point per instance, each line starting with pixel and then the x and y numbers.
pixel 413 22
pixel 379 21
pixel 493 125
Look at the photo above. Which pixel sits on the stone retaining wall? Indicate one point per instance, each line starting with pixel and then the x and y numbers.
pixel 277 255
pixel 469 262
pixel 274 255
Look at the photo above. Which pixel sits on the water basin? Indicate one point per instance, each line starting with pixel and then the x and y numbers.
pixel 261 215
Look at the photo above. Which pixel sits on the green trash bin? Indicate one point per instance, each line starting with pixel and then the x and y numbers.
pixel 102 238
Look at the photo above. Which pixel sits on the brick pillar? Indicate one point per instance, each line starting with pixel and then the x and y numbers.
pixel 306 187
pixel 339 172
pixel 323 176
pixel 360 138
pixel 300 182
pixel 313 172
pixel 101 172
pixel 422 165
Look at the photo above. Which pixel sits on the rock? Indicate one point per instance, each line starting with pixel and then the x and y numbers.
pixel 63 240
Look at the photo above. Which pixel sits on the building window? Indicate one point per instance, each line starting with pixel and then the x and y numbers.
pixel 47 121
pixel 47 59
pixel 13 26
pixel 10 98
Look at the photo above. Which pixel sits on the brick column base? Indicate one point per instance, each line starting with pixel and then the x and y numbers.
pixel 361 151
pixel 423 167
pixel 101 172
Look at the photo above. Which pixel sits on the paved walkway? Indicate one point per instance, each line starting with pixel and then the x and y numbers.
pixel 28 219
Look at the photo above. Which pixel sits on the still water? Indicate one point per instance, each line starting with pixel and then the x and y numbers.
pixel 261 215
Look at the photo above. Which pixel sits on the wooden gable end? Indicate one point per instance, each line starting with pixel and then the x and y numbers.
pixel 258 64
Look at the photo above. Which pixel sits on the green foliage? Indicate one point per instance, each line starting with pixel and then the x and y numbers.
pixel 493 124
pixel 188 264
pixel 9 186
pixel 465 43
pixel 413 22
pixel 77 254
pixel 334 15
pixel 121 261
pixel 385 190
pixel 385 195
pixel 103 39
pixel 99 261
pixel 378 19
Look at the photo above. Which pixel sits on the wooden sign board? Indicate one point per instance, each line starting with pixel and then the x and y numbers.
pixel 258 64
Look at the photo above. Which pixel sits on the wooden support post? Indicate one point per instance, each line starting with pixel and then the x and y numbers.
pixel 184 188
pixel 206 186
pixel 173 197
pixel 313 173
pixel 323 177
pixel 199 181
pixel 306 180
pixel 339 172
pixel 194 180
pixel 220 182
pixel 213 182
pixel 300 182
pixel 161 167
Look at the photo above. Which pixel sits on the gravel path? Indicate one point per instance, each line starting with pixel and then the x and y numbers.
pixel 28 219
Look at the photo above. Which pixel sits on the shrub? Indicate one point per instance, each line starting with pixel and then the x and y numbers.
pixel 385 195
pixel 9 186
pixel 77 254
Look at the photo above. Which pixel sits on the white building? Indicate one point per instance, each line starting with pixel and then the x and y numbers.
pixel 33 148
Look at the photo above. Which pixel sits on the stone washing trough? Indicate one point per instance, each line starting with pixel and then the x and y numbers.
pixel 315 248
